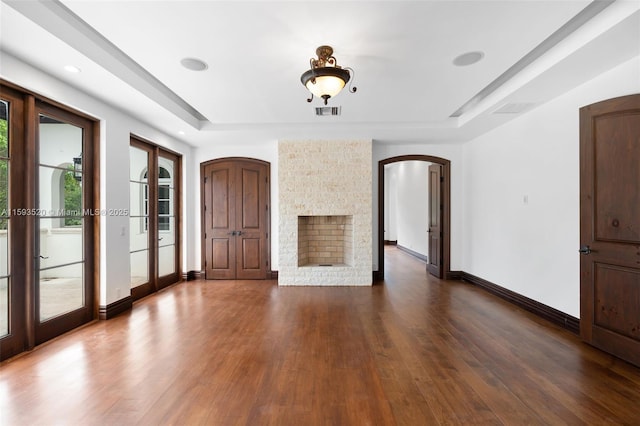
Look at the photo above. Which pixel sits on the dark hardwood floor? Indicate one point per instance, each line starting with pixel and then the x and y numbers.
pixel 413 351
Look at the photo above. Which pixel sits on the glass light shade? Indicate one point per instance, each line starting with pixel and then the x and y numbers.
pixel 325 82
pixel 325 85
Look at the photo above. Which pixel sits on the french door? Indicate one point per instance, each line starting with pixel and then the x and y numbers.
pixel 235 201
pixel 154 177
pixel 48 224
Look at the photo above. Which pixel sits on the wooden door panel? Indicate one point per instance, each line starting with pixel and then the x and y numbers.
pixel 617 300
pixel 250 209
pixel 219 221
pixel 251 253
pixel 220 254
pixel 220 265
pixel 251 214
pixel 617 166
pixel 610 226
pixel 220 187
pixel 434 265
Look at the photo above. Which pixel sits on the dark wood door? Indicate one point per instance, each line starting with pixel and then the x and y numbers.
pixel 434 266
pixel 610 226
pixel 236 219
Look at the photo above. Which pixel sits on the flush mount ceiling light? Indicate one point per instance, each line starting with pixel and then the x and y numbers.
pixel 326 78
pixel 72 69
pixel 468 58
pixel 194 64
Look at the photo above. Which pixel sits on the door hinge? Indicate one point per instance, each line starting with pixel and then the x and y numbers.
pixel 267 234
pixel 205 235
pixel 205 179
pixel 441 178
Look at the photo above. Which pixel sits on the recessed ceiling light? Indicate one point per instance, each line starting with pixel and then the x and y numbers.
pixel 194 64
pixel 468 58
pixel 72 68
pixel 181 132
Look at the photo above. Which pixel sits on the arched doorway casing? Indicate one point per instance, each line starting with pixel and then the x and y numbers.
pixel 235 218
pixel 445 199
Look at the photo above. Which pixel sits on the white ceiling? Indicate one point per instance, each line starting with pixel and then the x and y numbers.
pixel 401 52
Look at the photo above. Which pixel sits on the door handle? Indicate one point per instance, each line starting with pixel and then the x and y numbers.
pixel 585 250
pixel 42 257
pixel 238 232
pixel 231 233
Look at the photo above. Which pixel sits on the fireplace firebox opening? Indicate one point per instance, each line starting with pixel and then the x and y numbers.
pixel 325 240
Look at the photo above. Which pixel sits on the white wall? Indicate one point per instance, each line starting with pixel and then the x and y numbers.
pixel 115 129
pixel 521 191
pixel 390 202
pixel 406 204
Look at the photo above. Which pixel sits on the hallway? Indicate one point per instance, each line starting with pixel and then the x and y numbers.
pixel 412 351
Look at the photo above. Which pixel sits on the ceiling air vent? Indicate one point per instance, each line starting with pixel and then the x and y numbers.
pixel 514 108
pixel 322 111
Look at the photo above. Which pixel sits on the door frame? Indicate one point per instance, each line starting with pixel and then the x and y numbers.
pixel 56 326
pixel 445 199
pixel 156 282
pixel 26 333
pixel 435 254
pixel 267 213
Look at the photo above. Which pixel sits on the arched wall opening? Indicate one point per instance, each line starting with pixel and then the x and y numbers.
pixel 445 200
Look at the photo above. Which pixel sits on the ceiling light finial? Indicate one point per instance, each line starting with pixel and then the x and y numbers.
pixel 326 78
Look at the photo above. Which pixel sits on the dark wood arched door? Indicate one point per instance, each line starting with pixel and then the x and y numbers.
pixel 235 211
pixel 610 226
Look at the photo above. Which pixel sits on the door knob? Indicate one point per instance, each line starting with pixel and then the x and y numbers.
pixel 585 250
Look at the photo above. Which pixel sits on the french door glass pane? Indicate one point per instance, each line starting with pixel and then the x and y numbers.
pixel 4 306
pixel 60 218
pixel 139 216
pixel 168 237
pixel 4 218
pixel 166 217
pixel 139 268
pixel 138 236
pixel 166 260
pixel 61 290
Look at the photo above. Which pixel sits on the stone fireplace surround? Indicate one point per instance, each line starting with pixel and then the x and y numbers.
pixel 325 178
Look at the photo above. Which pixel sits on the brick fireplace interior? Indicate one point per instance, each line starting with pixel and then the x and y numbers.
pixel 325 240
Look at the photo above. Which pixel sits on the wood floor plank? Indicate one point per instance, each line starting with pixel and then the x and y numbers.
pixel 413 351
